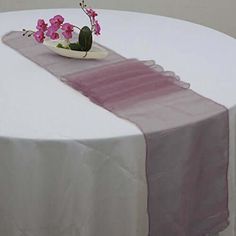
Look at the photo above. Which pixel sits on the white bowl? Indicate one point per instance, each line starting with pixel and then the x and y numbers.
pixel 96 52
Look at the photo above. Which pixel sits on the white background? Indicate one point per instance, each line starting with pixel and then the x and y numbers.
pixel 217 14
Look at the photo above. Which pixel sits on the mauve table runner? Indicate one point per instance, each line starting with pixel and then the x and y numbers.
pixel 186 134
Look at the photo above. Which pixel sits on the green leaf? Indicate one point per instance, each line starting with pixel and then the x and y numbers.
pixel 75 46
pixel 59 45
pixel 85 39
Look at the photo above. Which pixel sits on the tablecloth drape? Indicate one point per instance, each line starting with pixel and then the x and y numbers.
pixel 216 112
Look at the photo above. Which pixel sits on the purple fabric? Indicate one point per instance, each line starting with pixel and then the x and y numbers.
pixel 187 144
pixel 187 135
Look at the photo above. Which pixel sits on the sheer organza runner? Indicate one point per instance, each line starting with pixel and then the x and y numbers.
pixel 187 135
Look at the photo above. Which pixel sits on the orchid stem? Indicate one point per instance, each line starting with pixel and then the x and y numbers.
pixel 76 27
pixel 88 17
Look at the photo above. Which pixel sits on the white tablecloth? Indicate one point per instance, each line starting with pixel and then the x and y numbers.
pixel 67 166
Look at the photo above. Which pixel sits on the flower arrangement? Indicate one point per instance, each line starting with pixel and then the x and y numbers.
pixel 58 28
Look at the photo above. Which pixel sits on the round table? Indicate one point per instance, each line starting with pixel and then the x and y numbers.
pixel 42 116
pixel 201 56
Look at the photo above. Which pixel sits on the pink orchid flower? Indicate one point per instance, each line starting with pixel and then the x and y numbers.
pixel 41 25
pixel 97 28
pixel 91 13
pixel 55 27
pixel 52 33
pixel 58 19
pixel 68 29
pixel 39 36
pixel 56 22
